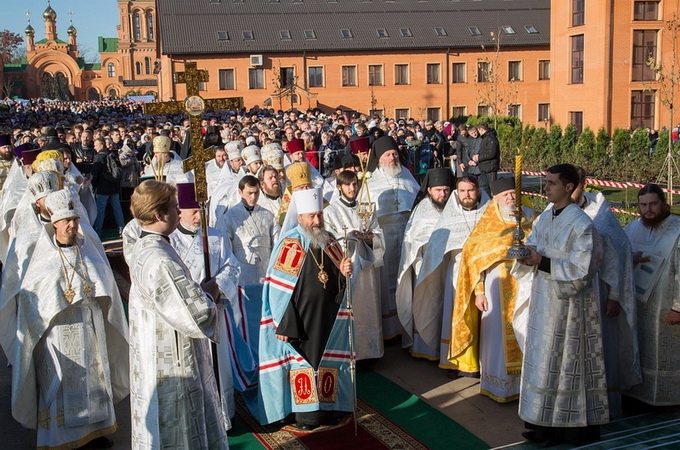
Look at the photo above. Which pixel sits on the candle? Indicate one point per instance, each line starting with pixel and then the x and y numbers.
pixel 518 180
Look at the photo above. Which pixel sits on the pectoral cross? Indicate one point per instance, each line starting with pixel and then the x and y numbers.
pixel 194 105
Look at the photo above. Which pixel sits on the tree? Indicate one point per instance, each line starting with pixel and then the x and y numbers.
pixel 9 44
pixel 492 91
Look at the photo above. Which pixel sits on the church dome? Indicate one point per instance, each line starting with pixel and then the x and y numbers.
pixel 71 30
pixel 49 13
pixel 29 30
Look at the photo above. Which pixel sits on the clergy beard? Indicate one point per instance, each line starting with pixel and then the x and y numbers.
pixel 318 237
pixel 507 212
pixel 439 206
pixel 655 221
pixel 274 192
pixel 391 172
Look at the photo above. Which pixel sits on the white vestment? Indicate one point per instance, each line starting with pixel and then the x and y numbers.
pixel 225 269
pixel 70 365
pixel 619 334
pixel 13 190
pixel 173 392
pixel 173 170
pixel 392 198
pixel 563 374
pixel 365 287
pixel 252 236
pixel 416 239
pixel 270 204
pixel 86 194
pixel 658 340
pixel 213 175
pixel 225 195
pixel 436 283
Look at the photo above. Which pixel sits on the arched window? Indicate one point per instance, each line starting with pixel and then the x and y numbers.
pixel 113 93
pixel 136 27
pixel 138 68
pixel 92 94
pixel 149 26
pixel 111 70
pixel 147 65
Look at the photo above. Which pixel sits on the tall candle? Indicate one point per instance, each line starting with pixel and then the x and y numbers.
pixel 518 180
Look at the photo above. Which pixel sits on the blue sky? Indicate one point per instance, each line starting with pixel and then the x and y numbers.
pixel 92 18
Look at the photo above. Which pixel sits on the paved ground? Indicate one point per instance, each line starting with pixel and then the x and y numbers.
pixel 458 399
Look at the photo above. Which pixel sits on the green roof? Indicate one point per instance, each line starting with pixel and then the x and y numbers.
pixel 108 45
pixel 92 66
pixel 15 67
pixel 45 41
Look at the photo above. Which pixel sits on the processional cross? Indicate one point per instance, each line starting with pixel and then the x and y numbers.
pixel 194 105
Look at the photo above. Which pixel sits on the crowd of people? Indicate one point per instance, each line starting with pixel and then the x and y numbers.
pixel 324 237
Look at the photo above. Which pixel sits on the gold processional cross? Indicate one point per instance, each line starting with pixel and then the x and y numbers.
pixel 194 105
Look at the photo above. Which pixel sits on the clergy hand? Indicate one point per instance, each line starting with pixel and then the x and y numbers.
pixel 481 302
pixel 210 286
pixel 612 308
pixel 638 258
pixel 346 267
pixel 282 338
pixel 533 260
pixel 672 317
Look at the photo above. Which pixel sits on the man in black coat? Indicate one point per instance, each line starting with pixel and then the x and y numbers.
pixel 489 158
pixel 106 183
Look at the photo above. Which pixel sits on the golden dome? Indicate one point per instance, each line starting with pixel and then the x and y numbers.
pixel 29 30
pixel 49 13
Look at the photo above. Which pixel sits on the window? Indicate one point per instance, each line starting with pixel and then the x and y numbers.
pixel 286 77
pixel 507 29
pixel 515 111
pixel 514 71
pixel 642 109
pixel 202 86
pixel 113 93
pixel 401 74
pixel 375 112
pixel 138 68
pixel 255 78
pixel 646 11
pixel 315 77
pixel 482 110
pixel 349 75
pixel 222 36
pixel 248 35
pixel 147 65
pixel 346 33
pixel 285 35
pixel 544 69
pixel 459 111
pixel 434 114
pixel 483 71
pixel 402 113
pixel 111 70
pixel 309 34
pixel 474 31
pixel 644 49
pixel 405 32
pixel 149 26
pixel 382 33
pixel 531 29
pixel 375 75
pixel 136 27
pixel 458 73
pixel 576 119
pixel 439 32
pixel 226 79
pixel 433 71
pixel 577 59
pixel 577 13
pixel 544 112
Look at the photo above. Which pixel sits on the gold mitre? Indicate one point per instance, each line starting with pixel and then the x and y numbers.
pixel 299 174
pixel 161 144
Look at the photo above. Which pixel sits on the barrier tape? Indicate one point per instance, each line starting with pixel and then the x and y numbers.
pixel 616 210
pixel 595 182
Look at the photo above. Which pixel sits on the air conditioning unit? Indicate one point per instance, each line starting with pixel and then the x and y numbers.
pixel 256 60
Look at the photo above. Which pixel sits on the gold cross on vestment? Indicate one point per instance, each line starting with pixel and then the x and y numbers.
pixel 194 105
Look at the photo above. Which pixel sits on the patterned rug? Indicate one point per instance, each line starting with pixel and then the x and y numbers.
pixel 374 431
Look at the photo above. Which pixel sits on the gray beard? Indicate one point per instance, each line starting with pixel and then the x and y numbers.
pixel 507 212
pixel 317 238
pixel 391 172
